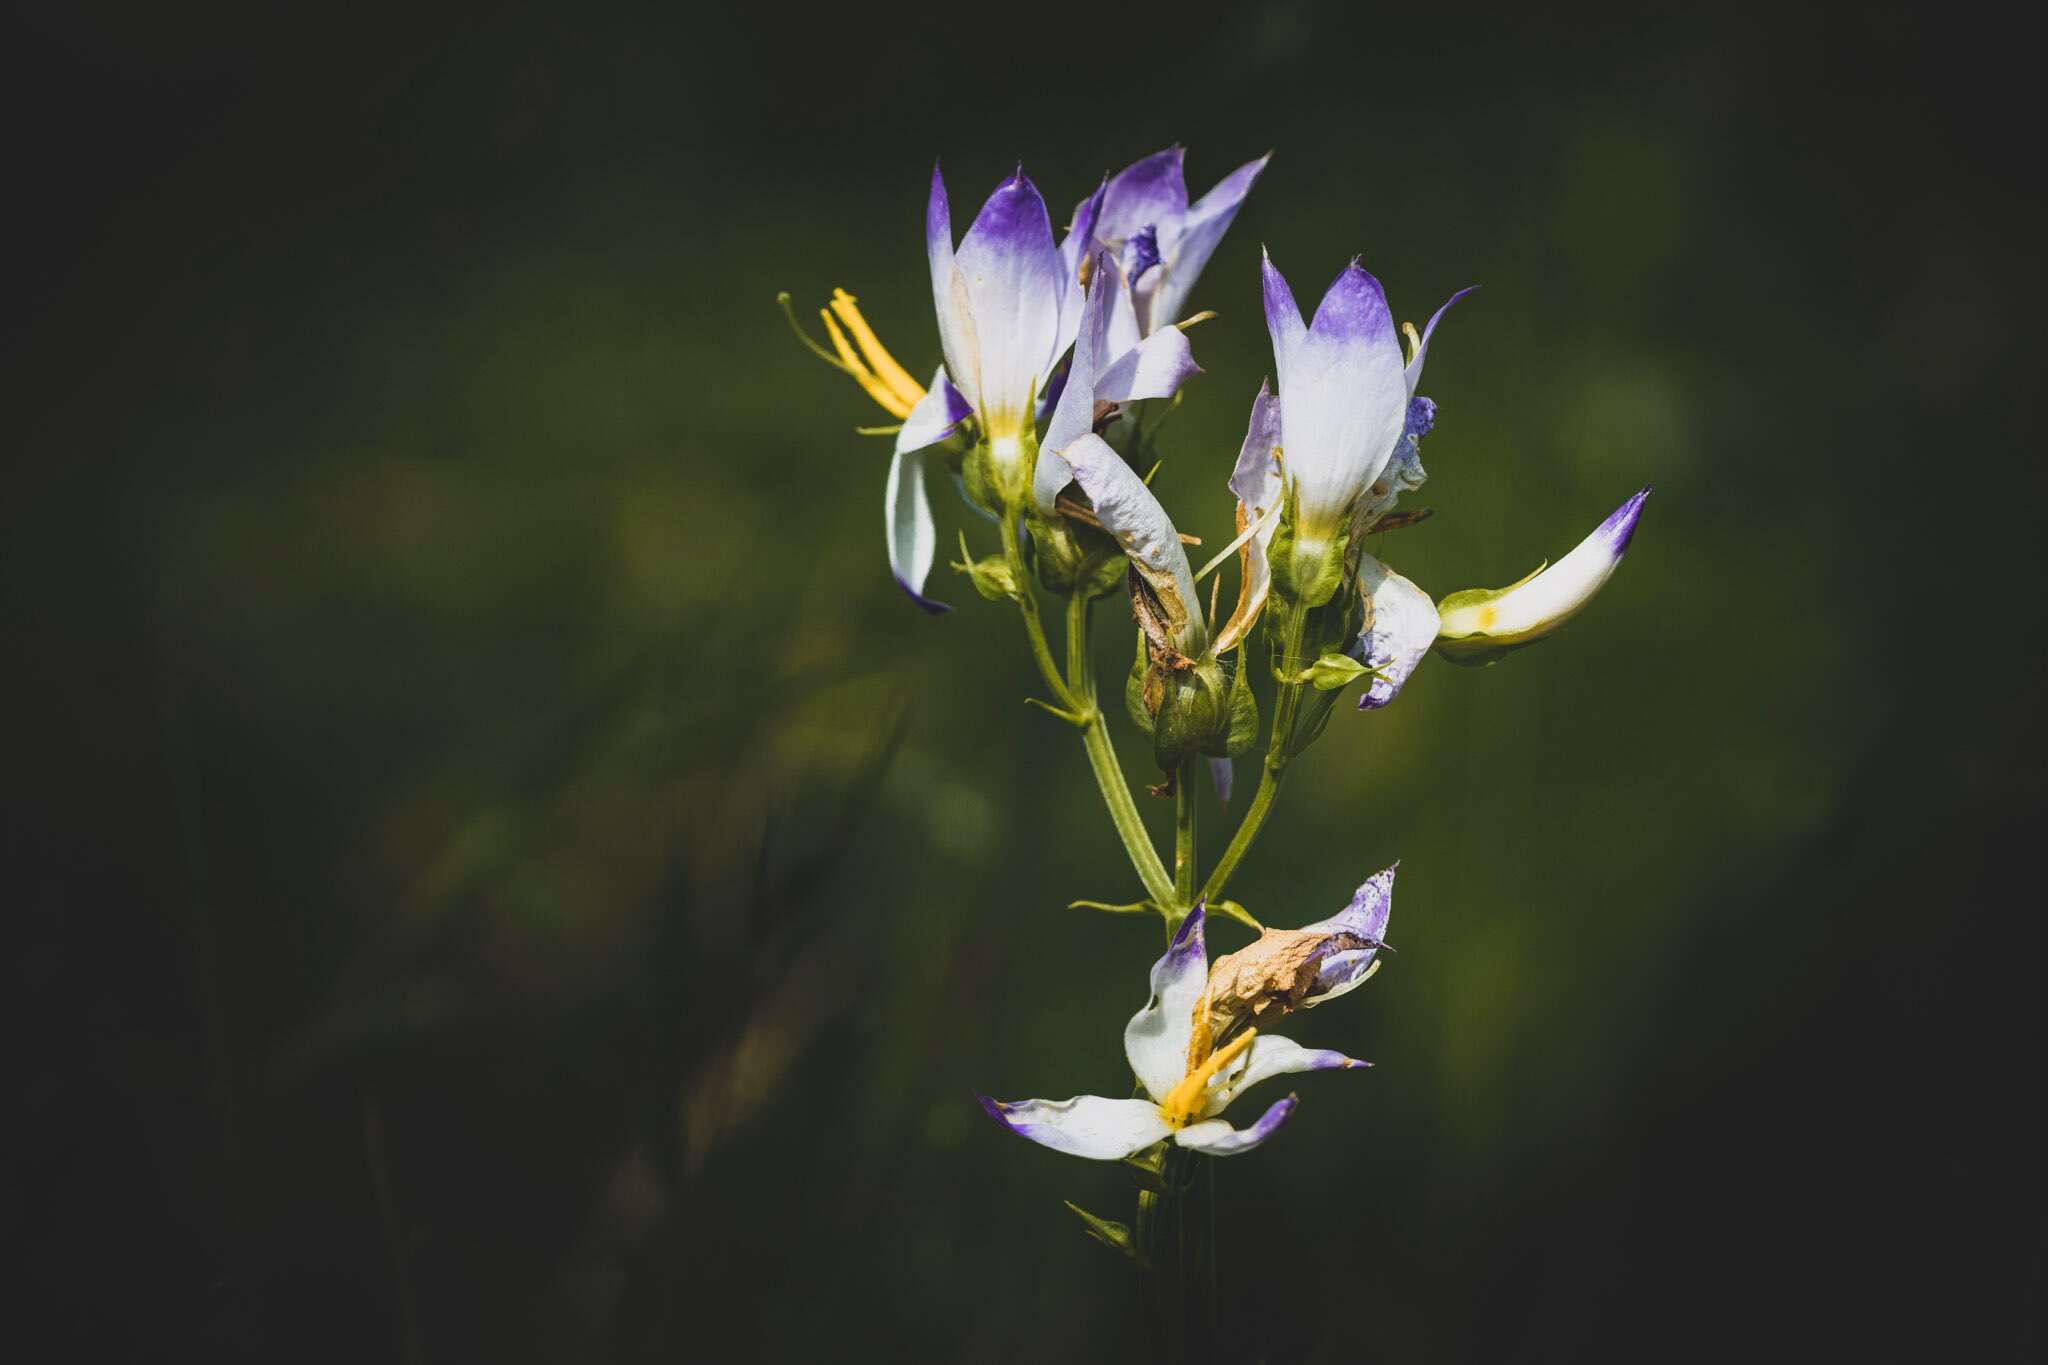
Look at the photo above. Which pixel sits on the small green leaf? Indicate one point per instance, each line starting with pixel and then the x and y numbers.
pixel 1116 1236
pixel 1332 671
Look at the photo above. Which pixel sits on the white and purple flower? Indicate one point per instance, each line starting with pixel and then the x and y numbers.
pixel 1197 1044
pixel 1160 241
pixel 1347 404
pixel 1479 625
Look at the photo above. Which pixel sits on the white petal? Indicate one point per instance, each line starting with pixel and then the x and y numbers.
pixel 912 537
pixel 1145 532
pixel 1086 1125
pixel 1475 624
pixel 1218 1138
pixel 1400 626
pixel 1270 1056
pixel 1154 368
pixel 1156 1039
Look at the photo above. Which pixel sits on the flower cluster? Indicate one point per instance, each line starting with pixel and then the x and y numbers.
pixel 1055 348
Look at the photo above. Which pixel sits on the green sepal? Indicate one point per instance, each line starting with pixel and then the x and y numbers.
pixel 1148 1167
pixel 1073 556
pixel 1244 715
pixel 978 475
pixel 1332 672
pixel 1195 717
pixel 1134 690
pixel 1114 1235
pixel 992 577
pixel 1232 910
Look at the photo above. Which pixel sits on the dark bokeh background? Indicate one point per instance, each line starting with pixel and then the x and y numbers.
pixel 498 873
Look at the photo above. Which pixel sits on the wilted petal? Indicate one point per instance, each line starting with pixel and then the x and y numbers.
pixel 1400 626
pixel 1343 401
pixel 1270 1056
pixel 1479 625
pixel 1218 1138
pixel 1256 481
pixel 1414 370
pixel 1010 271
pixel 1200 233
pixel 1372 905
pixel 1156 1039
pixel 1086 1125
pixel 1129 512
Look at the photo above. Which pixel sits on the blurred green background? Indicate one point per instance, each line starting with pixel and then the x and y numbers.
pixel 499 873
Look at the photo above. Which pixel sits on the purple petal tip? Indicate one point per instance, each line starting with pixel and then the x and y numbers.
pixel 930 605
pixel 1189 927
pixel 1620 527
pixel 994 1109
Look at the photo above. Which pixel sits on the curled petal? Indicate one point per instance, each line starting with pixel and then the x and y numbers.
pixel 1400 626
pixel 1480 625
pixel 1156 1039
pixel 1271 1055
pixel 935 416
pixel 1129 512
pixel 1414 370
pixel 1086 1125
pixel 1217 1138
pixel 1256 481
pixel 1372 905
pixel 1075 248
pixel 1155 368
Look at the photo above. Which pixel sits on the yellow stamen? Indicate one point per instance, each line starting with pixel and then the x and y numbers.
pixel 862 375
pixel 1414 341
pixel 1184 1099
pixel 884 365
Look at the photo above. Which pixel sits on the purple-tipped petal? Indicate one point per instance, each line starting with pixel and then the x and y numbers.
pixel 942 409
pixel 1075 247
pixel 1156 1039
pixel 1218 1138
pixel 1200 233
pixel 1400 626
pixel 1086 1125
pixel 1414 369
pixel 1478 625
pixel 1366 916
pixel 1354 312
pixel 1271 1055
pixel 1283 319
pixel 1147 193
pixel 1343 401
pixel 1009 270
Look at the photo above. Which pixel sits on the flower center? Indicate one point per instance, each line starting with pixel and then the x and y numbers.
pixel 1184 1099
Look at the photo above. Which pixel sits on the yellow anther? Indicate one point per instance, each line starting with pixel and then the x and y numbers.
pixel 1184 1099
pixel 907 390
pixel 1414 341
pixel 862 375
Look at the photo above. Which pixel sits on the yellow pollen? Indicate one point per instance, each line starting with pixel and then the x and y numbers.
pixel 880 363
pixel 1184 1099
pixel 1487 616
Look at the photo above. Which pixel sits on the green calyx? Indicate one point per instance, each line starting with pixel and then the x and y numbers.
pixel 1071 556
pixel 992 577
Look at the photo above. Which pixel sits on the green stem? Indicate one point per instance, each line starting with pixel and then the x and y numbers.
pixel 1184 838
pixel 1278 753
pixel 1075 693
